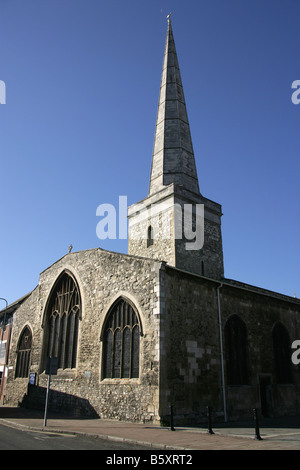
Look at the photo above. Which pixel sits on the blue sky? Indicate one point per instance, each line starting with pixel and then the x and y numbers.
pixel 82 83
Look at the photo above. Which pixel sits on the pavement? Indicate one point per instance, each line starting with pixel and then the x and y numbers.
pixel 276 434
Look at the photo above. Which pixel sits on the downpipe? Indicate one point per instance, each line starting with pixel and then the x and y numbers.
pixel 221 352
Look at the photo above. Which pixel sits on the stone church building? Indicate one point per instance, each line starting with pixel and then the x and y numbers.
pixel 134 333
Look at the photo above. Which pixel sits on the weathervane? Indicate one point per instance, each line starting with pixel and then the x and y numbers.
pixel 169 17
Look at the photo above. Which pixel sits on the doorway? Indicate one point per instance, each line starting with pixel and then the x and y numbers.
pixel 265 391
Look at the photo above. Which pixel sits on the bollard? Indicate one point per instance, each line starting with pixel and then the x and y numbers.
pixel 209 428
pixel 172 418
pixel 257 434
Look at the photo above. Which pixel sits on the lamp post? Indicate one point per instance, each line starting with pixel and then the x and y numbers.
pixel 4 321
pixel 2 333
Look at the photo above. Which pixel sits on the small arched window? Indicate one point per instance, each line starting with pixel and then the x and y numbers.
pixel 282 354
pixel 24 353
pixel 236 348
pixel 150 240
pixel 121 341
pixel 62 322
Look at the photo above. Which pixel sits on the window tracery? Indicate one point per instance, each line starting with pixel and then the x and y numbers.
pixel 24 353
pixel 63 316
pixel 121 342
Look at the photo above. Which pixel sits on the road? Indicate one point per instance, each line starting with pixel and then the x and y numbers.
pixel 18 439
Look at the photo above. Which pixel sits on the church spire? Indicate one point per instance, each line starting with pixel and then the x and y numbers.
pixel 173 158
pixel 158 225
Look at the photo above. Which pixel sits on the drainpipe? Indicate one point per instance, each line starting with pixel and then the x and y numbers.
pixel 221 352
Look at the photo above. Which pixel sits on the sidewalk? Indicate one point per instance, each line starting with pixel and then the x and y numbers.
pixel 279 435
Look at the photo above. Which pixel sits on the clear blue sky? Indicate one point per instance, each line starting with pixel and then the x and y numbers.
pixel 82 83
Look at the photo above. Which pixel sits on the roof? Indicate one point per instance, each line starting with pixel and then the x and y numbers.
pixel 11 308
pixel 240 285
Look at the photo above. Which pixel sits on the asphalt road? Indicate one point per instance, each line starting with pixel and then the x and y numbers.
pixel 18 439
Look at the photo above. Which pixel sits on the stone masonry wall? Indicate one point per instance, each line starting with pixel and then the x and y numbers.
pixel 190 355
pixel 180 355
pixel 208 260
pixel 190 358
pixel 166 212
pixel 102 277
pixel 159 214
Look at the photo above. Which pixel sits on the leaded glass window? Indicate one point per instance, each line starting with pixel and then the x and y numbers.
pixel 121 342
pixel 24 353
pixel 63 316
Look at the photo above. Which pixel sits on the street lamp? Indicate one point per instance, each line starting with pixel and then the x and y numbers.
pixel 4 321
pixel 2 333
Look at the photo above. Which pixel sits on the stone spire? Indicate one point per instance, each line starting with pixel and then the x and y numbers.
pixel 162 225
pixel 173 158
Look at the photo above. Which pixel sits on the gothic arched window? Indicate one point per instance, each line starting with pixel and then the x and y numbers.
pixel 282 354
pixel 121 341
pixel 236 348
pixel 62 322
pixel 24 353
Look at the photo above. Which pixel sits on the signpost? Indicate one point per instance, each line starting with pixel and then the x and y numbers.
pixel 51 369
pixel 32 378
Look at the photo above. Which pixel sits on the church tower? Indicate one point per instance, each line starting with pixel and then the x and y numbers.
pixel 175 223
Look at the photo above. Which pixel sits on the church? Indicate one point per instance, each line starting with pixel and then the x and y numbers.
pixel 134 334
